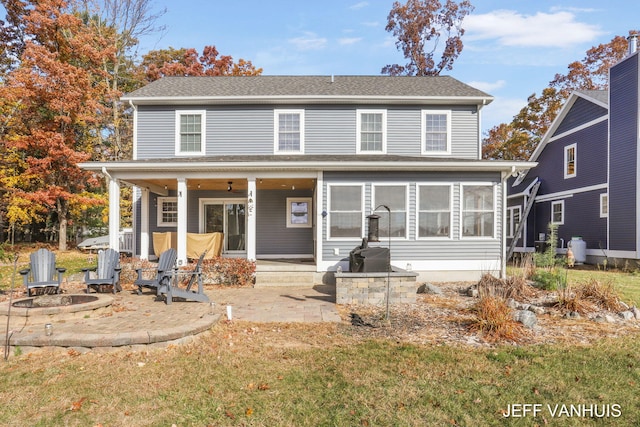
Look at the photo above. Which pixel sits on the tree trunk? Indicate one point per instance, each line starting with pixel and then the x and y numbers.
pixel 62 208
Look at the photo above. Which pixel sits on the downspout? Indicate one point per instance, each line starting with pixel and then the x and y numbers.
pixel 503 243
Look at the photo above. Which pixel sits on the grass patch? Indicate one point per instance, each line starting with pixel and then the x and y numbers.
pixel 310 375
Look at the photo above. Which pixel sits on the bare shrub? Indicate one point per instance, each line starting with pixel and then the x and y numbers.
pixel 513 287
pixel 494 319
pixel 602 295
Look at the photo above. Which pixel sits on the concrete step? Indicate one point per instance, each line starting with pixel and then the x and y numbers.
pixel 284 279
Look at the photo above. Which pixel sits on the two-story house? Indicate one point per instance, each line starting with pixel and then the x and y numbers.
pixel 289 167
pixel 587 172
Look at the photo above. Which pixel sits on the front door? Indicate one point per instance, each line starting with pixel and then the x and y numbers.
pixel 227 217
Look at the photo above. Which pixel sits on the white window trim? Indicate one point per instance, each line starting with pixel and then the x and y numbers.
pixel 362 205
pixel 276 130
pixel 359 113
pixel 462 210
pixel 511 227
pixel 374 186
pixel 604 203
pixel 560 203
pixel 575 161
pixel 423 133
pixel 159 221
pixel 434 184
pixel 308 201
pixel 203 122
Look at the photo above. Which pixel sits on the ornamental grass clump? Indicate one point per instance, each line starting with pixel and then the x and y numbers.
pixel 494 319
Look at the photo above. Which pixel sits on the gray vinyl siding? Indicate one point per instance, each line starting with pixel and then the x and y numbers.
pixel 273 236
pixel 238 130
pixel 581 112
pixel 623 190
pixel 410 248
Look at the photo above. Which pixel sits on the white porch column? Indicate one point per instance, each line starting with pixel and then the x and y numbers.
pixel 251 219
pixel 319 222
pixel 144 223
pixel 114 213
pixel 182 221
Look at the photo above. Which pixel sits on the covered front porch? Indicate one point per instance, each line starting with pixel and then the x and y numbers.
pixel 266 216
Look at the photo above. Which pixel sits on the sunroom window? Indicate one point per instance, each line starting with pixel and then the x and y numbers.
pixel 345 211
pixel 434 211
pixel 478 212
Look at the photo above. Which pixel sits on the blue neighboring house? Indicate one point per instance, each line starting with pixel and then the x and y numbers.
pixel 587 178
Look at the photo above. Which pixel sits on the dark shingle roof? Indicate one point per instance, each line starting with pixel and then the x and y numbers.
pixel 305 87
pixel 598 95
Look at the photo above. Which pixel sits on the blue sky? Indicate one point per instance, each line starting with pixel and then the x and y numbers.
pixel 512 48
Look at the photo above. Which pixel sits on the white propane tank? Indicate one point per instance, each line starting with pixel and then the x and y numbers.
pixel 579 248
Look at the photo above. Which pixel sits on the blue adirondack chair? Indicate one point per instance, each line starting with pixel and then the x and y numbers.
pixel 107 272
pixel 171 288
pixel 164 272
pixel 42 272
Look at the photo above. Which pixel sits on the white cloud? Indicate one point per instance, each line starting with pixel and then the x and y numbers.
pixel 358 6
pixel 349 40
pixel 488 86
pixel 310 41
pixel 510 28
pixel 371 23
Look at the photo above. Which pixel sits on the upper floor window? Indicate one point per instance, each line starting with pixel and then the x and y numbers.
pixel 345 211
pixel 570 161
pixel 436 132
pixel 372 131
pixel 289 131
pixel 167 211
pixel 478 210
pixel 395 198
pixel 557 212
pixel 190 132
pixel 434 211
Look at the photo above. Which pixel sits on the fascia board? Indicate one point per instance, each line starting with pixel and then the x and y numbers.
pixel 314 99
pixel 487 166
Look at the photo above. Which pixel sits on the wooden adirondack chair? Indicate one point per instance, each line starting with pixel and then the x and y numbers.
pixel 42 272
pixel 172 290
pixel 164 272
pixel 107 272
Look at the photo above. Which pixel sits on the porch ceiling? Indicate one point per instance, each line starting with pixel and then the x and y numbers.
pixel 236 184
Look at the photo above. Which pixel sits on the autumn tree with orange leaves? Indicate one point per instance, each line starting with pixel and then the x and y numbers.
pixel 518 139
pixel 425 29
pixel 187 62
pixel 52 100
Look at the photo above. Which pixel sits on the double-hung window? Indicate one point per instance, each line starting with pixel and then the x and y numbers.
pixel 478 210
pixel 434 211
pixel 557 212
pixel 289 131
pixel 371 137
pixel 395 198
pixel 604 205
pixel 436 132
pixel 513 220
pixel 167 211
pixel 345 211
pixel 190 133
pixel 570 161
